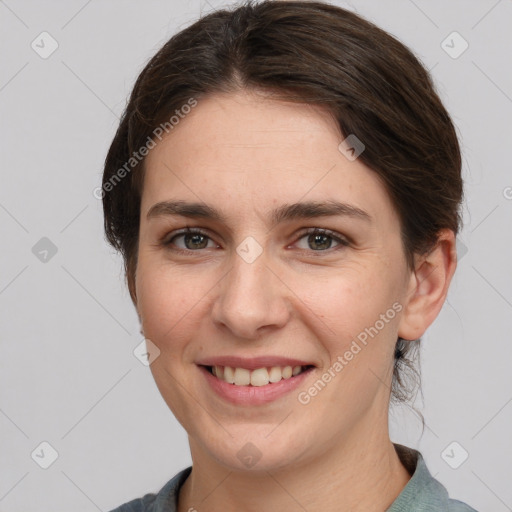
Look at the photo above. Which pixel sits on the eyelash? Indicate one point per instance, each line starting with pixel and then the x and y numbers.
pixel 167 242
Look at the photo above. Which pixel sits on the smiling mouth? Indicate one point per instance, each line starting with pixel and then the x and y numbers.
pixel 257 377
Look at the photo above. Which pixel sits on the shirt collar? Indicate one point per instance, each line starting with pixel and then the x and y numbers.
pixel 421 488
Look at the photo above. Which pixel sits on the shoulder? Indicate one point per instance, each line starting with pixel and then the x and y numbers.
pixel 458 506
pixel 144 504
pixel 423 493
pixel 164 501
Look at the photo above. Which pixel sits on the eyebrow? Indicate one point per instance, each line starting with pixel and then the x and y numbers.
pixel 286 212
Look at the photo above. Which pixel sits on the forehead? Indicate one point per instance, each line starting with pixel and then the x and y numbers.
pixel 244 150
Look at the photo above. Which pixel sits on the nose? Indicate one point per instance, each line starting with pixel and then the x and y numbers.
pixel 252 299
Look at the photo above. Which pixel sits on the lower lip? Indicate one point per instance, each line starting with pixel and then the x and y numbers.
pixel 254 395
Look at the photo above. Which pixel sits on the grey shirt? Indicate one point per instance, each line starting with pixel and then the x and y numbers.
pixel 423 493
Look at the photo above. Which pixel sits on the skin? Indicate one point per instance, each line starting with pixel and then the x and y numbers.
pixel 245 154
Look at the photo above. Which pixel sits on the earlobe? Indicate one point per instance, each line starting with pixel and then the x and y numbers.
pixel 428 286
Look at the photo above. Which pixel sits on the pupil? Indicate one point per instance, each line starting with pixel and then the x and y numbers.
pixel 195 239
pixel 314 239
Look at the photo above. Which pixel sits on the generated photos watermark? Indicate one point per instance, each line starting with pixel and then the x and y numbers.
pixel 138 156
pixel 305 397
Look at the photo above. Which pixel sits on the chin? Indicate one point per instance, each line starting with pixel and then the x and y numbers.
pixel 254 448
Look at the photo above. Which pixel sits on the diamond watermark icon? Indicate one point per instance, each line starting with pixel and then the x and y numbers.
pixel 44 250
pixel 146 352
pixel 44 45
pixel 454 45
pixel 454 455
pixel 351 147
pixel 462 249
pixel 249 250
pixel 44 455
pixel 249 455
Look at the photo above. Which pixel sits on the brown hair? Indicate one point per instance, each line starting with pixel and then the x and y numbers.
pixel 308 52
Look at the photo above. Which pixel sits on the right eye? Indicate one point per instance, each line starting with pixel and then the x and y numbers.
pixel 192 239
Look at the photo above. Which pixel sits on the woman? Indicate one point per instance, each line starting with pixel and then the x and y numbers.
pixel 284 187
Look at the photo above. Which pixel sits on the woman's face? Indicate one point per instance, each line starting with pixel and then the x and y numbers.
pixel 256 289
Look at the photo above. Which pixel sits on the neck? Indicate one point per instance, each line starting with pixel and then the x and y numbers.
pixel 361 473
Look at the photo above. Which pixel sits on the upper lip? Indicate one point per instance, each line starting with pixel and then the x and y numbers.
pixel 252 363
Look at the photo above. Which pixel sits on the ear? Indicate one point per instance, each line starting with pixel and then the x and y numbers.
pixel 428 286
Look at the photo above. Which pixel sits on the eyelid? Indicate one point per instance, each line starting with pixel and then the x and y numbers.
pixel 166 239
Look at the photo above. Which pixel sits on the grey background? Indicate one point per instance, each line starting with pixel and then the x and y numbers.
pixel 68 375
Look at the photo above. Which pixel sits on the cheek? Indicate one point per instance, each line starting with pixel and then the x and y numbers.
pixel 352 306
pixel 168 302
pixel 344 300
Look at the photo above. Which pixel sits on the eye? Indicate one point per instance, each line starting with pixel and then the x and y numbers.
pixel 318 239
pixel 192 239
pixel 313 239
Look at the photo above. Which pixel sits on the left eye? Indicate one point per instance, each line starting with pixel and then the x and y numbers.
pixel 321 239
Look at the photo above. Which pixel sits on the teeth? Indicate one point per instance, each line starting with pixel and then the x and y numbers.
pixel 242 377
pixel 275 374
pixel 287 372
pixel 229 374
pixel 218 371
pixel 258 377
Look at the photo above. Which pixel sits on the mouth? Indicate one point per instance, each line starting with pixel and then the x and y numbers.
pixel 257 377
